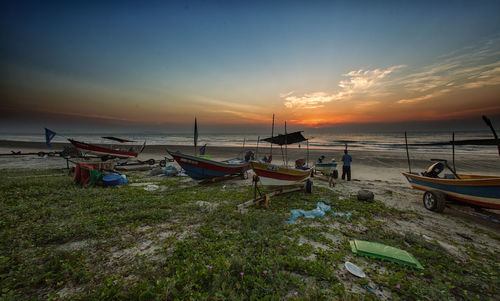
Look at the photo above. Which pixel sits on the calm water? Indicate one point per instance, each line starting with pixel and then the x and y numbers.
pixel 337 141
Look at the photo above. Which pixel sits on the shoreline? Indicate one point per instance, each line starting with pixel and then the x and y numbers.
pixel 395 159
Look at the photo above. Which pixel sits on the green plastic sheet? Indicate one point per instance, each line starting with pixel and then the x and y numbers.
pixel 378 250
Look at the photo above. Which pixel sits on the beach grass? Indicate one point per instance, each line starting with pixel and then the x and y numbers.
pixel 188 241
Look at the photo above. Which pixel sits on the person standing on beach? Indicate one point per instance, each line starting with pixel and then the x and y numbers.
pixel 346 168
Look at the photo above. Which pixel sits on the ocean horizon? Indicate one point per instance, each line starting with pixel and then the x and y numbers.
pixel 365 141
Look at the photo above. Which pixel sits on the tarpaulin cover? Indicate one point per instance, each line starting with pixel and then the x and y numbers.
pixel 85 173
pixel 378 250
pixel 291 138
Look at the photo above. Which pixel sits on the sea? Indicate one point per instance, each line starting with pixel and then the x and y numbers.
pixel 366 141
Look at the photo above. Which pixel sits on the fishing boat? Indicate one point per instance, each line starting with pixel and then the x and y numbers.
pixel 122 151
pixel 273 175
pixel 200 168
pixel 327 168
pixel 129 152
pixel 476 190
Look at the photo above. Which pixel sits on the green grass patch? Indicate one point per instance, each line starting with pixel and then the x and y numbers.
pixel 64 241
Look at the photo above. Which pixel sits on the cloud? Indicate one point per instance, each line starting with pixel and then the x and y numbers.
pixel 361 80
pixel 424 97
pixel 358 82
pixel 367 104
pixel 469 68
pixel 308 101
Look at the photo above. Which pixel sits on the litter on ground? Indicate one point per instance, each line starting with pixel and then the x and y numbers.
pixel 378 250
pixel 151 187
pixel 354 269
pixel 320 211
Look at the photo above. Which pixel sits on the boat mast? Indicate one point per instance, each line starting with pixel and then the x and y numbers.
pixel 286 143
pixel 195 135
pixel 272 135
pixel 244 140
pixel 407 153
pixel 453 150
pixel 257 149
pixel 307 157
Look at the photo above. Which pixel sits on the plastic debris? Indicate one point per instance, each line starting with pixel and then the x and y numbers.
pixel 373 290
pixel 378 250
pixel 170 170
pixel 320 211
pixel 354 269
pixel 156 171
pixel 151 187
pixel 341 214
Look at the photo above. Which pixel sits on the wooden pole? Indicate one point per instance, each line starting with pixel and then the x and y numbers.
pixel 257 149
pixel 272 135
pixel 282 155
pixel 407 153
pixel 453 148
pixel 195 137
pixel 488 123
pixel 307 157
pixel 244 140
pixel 286 143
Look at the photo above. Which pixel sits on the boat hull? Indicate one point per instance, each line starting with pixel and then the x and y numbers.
pixel 273 175
pixel 100 151
pixel 202 168
pixel 325 168
pixel 483 191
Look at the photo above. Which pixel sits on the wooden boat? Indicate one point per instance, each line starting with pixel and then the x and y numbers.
pixel 327 168
pixel 200 168
pixel 273 175
pixel 102 151
pixel 477 190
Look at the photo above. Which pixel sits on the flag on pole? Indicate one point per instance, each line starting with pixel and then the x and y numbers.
pixel 195 132
pixel 49 135
pixel 203 149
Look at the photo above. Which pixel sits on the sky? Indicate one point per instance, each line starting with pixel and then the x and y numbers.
pixel 233 64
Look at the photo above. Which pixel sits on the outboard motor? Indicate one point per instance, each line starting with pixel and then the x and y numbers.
pixel 249 156
pixel 299 163
pixel 434 170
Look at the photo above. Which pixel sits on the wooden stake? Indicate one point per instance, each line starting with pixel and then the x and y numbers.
pixel 407 153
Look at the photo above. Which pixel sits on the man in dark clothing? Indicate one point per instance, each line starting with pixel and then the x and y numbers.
pixel 346 168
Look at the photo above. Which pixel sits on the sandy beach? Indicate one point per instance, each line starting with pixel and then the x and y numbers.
pixel 379 172
pixel 376 171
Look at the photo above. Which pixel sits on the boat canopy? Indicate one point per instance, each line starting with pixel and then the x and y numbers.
pixel 121 140
pixel 290 138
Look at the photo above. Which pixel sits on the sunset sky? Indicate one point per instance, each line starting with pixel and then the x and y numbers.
pixel 235 63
